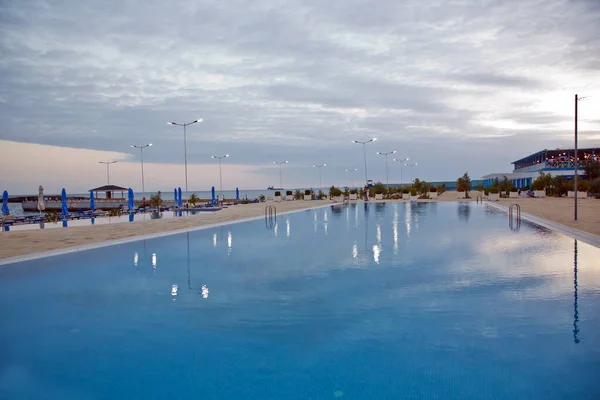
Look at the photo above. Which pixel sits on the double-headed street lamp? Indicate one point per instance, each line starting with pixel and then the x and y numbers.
pixel 365 153
pixel 185 145
pixel 411 166
pixel 280 163
pixel 142 159
pixel 387 180
pixel 107 169
pixel 352 171
pixel 320 166
pixel 401 161
pixel 220 174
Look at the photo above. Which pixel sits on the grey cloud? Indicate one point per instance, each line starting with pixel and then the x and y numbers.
pixel 286 79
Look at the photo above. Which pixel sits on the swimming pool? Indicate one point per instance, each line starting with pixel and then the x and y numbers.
pixel 389 300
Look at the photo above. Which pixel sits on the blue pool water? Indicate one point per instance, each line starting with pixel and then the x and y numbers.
pixel 391 301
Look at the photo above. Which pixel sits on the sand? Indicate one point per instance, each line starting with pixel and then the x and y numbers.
pixel 20 243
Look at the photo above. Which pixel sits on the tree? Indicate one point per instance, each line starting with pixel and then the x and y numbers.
pixel 542 181
pixel 592 170
pixel 463 184
pixel 193 200
pixel 156 200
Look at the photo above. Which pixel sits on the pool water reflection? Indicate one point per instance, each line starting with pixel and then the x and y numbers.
pixel 389 300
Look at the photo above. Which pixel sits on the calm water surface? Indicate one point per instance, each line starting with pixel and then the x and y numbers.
pixel 386 301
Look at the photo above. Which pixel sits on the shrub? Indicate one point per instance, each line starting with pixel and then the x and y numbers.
pixel 334 192
pixel 156 200
pixel 463 184
pixel 432 189
pixel 514 189
pixel 542 181
pixel 595 186
pixel 441 188
pixel 582 185
pixel 346 191
pixel 321 195
pixel 486 191
pixel 413 192
pixel 405 190
pixel 479 187
pixel 494 190
pixel 52 216
pixel 261 198
pixel 288 192
pixel 353 191
pixel 307 192
pixel 278 193
pixel 592 170
pixel 297 194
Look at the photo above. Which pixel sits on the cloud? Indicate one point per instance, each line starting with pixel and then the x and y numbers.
pixel 299 79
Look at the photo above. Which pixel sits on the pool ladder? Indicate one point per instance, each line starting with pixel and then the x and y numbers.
pixel 479 199
pixel 514 217
pixel 270 216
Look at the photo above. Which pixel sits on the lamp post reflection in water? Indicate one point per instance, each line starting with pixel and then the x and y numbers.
pixel 575 299
pixel 214 240
pixel 395 225
pixel 229 238
pixel 287 227
pixel 136 258
pixel 154 262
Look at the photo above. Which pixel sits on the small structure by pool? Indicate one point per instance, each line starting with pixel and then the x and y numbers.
pixel 109 192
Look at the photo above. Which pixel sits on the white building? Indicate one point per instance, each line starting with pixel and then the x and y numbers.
pixel 555 162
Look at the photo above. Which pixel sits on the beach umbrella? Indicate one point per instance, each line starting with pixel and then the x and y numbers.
pixel 180 198
pixel 5 209
pixel 212 192
pixel 92 201
pixel 237 194
pixel 131 199
pixel 175 201
pixel 41 206
pixel 65 209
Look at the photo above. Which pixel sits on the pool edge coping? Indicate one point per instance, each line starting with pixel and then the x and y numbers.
pixel 586 237
pixel 107 243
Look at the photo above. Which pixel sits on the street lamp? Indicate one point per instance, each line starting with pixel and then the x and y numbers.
pixel 220 174
pixel 401 166
pixel 280 163
pixel 365 154
pixel 142 159
pixel 320 166
pixel 185 145
pixel 411 165
pixel 577 100
pixel 352 171
pixel 107 170
pixel 387 180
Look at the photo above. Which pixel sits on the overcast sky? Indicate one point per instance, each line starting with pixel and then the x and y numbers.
pixel 454 85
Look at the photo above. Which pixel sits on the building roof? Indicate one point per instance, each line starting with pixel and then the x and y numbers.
pixel 594 150
pixel 110 188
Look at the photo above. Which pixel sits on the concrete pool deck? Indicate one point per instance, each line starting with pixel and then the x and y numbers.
pixel 21 243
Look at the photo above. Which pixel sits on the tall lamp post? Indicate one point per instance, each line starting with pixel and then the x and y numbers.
pixel 411 167
pixel 142 159
pixel 320 166
pixel 185 146
pixel 401 161
pixel 352 171
pixel 365 153
pixel 220 174
pixel 577 100
pixel 387 179
pixel 107 169
pixel 280 163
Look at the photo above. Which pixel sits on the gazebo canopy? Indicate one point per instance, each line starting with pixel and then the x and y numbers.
pixel 110 188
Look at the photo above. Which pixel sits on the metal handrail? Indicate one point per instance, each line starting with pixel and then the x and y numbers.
pixel 511 214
